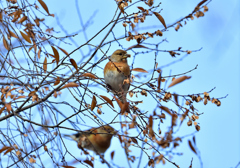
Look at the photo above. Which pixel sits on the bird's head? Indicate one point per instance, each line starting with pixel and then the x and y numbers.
pixel 107 130
pixel 120 56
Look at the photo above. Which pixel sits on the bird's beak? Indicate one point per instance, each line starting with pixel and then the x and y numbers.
pixel 126 55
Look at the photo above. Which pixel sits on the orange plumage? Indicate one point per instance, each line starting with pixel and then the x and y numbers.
pixel 116 71
pixel 95 139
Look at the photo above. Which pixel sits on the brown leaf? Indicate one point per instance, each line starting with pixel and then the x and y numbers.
pixel 19 97
pixel 8 150
pixel 12 34
pixel 107 100
pixel 56 54
pixel 139 70
pixel 1 110
pixel 57 81
pixel 175 98
pixel 5 43
pixel 160 18
pixel 191 146
pixel 44 6
pixel 151 161
pixel 4 148
pixel 178 80
pixel 39 52
pixel 150 121
pixel 64 51
pixel 22 19
pixel 68 166
pixel 165 109
pixel 32 93
pixel 141 8
pixel 1 16
pixel 90 75
pixel 159 81
pixel 123 106
pixel 8 107
pixel 88 162
pixel 94 103
pixel 194 140
pixel 134 140
pixel 137 46
pixel 121 7
pixel 74 64
pixel 71 84
pixel 26 37
pixel 112 154
pixel 197 127
pixel 202 2
pixel 45 65
pixel 120 138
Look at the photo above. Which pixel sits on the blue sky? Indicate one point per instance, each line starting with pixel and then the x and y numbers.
pixel 217 33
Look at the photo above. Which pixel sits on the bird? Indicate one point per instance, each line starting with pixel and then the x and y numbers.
pixel 117 74
pixel 95 139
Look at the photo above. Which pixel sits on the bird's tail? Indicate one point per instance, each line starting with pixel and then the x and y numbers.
pixel 71 137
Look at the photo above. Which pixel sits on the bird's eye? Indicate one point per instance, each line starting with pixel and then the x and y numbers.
pixel 120 53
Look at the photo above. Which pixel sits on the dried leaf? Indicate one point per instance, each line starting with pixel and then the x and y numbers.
pixel 39 52
pixel 120 138
pixel 1 110
pixel 74 64
pixel 44 6
pixel 19 97
pixel 45 65
pixel 134 140
pixel 202 2
pixel 139 70
pixel 123 106
pixel 137 46
pixel 197 127
pixel 88 162
pixel 194 140
pixel 8 150
pixel 56 54
pixel 112 154
pixel 26 37
pixel 175 98
pixel 12 34
pixel 64 51
pixel 8 107
pixel 178 80
pixel 22 19
pixel 121 7
pixel 94 103
pixel 71 84
pixel 107 100
pixel 90 75
pixel 57 81
pixel 141 8
pixel 150 121
pixel 1 16
pixel 159 81
pixel 160 18
pixel 165 109
pixel 5 43
pixel 4 148
pixel 191 146
pixel 151 161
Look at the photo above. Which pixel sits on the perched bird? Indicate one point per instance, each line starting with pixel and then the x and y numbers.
pixel 94 139
pixel 116 73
